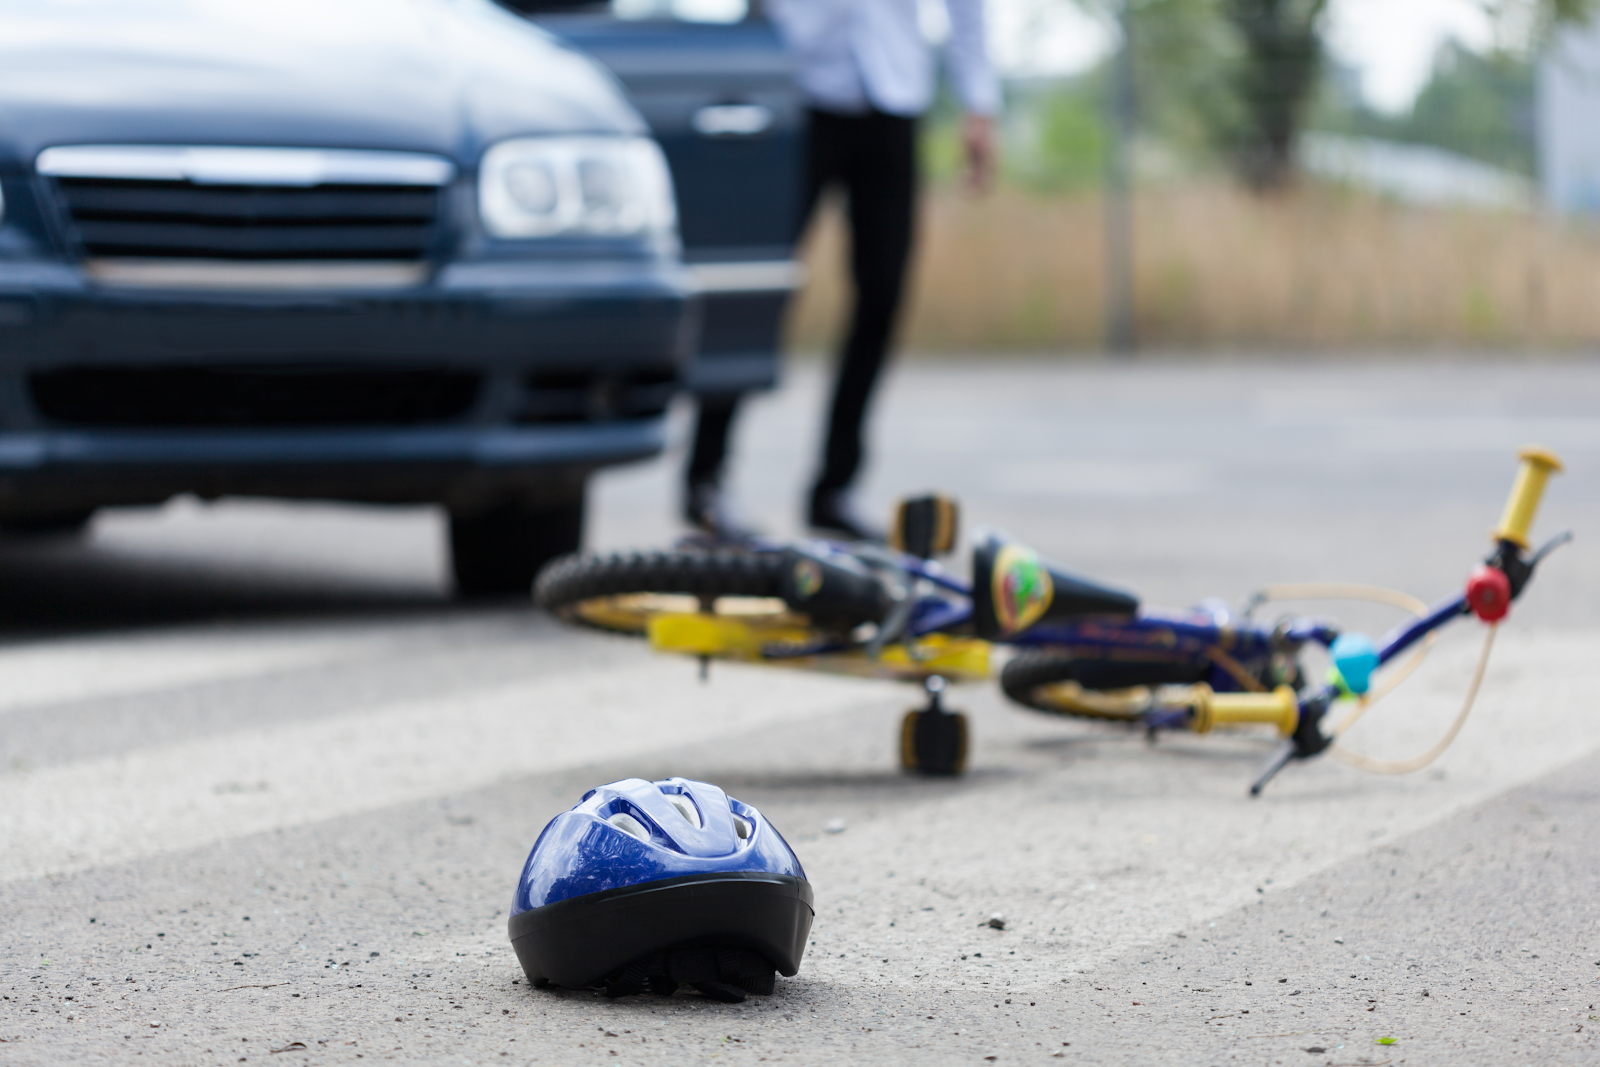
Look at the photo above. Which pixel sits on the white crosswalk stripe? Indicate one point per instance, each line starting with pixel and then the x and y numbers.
pixel 123 665
pixel 138 803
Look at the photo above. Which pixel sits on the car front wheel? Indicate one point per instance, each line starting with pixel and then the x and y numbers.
pixel 497 553
pixel 47 523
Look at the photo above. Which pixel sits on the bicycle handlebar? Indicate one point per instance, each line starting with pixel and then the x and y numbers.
pixel 1537 464
pixel 1507 565
pixel 1280 708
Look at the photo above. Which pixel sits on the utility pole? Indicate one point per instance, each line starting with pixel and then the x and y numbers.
pixel 1120 337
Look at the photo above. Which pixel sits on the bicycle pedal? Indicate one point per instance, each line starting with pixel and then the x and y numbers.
pixel 925 526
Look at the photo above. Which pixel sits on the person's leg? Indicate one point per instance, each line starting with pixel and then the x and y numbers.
pixel 827 152
pixel 710 449
pixel 881 178
pixel 704 505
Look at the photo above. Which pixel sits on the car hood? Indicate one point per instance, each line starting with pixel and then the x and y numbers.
pixel 441 76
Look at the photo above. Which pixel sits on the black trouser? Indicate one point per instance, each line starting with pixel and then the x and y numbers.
pixel 873 158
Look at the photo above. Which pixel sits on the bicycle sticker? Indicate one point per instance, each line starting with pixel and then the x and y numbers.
pixel 807 578
pixel 1022 589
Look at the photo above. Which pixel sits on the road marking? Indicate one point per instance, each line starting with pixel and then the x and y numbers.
pixel 1038 828
pixel 1030 842
pixel 1416 433
pixel 1123 479
pixel 147 801
pixel 61 672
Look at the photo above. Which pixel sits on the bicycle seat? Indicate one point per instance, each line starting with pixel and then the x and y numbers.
pixel 1013 590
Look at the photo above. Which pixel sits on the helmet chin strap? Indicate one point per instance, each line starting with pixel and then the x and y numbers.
pixel 725 974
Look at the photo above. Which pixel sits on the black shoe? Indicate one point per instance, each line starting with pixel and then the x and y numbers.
pixel 833 513
pixel 705 507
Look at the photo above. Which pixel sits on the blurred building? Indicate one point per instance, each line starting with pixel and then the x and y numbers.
pixel 1569 121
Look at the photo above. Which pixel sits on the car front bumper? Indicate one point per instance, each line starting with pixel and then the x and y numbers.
pixel 570 365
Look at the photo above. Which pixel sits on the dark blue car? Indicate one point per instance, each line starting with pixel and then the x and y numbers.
pixel 393 251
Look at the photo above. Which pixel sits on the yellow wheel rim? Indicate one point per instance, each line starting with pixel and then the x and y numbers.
pixel 908 741
pixel 1123 705
pixel 630 613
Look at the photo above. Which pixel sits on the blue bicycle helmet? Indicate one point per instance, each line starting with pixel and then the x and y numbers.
pixel 653 885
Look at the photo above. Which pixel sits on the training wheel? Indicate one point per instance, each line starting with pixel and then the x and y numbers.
pixel 934 741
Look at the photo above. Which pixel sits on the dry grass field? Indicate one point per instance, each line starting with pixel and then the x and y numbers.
pixel 1217 267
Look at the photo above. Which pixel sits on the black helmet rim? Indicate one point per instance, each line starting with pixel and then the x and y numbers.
pixel 579 941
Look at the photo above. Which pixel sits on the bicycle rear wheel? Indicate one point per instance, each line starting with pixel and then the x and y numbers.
pixel 622 592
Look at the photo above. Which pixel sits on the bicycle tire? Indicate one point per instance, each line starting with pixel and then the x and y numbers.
pixel 1062 684
pixel 612 592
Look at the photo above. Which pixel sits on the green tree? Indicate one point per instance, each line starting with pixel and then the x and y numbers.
pixel 1277 73
pixel 1186 60
pixel 1241 75
pixel 1471 102
pixel 1478 105
pixel 1071 140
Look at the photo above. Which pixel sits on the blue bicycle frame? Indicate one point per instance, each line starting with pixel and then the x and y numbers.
pixel 1016 599
pixel 1198 635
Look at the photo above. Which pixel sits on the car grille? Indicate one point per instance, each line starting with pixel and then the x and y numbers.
pixel 242 396
pixel 248 203
pixel 131 218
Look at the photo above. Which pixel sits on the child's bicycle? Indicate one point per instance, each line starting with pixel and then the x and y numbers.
pixel 1083 649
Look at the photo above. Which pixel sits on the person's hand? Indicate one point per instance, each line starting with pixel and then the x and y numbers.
pixel 982 152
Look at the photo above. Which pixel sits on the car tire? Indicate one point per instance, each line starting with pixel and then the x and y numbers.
pixel 497 553
pixel 47 524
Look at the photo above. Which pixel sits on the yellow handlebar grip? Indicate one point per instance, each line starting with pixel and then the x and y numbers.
pixel 1278 708
pixel 1537 463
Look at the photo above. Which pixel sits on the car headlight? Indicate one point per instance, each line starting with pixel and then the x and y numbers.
pixel 550 186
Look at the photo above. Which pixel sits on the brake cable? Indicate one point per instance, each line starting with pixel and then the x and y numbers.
pixel 893 626
pixel 1405 602
pixel 1378 766
pixel 1374 594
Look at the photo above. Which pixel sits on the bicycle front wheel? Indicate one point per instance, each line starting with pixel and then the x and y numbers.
pixel 1063 684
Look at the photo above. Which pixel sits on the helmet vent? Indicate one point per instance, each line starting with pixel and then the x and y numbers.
pixel 742 827
pixel 686 808
pixel 629 825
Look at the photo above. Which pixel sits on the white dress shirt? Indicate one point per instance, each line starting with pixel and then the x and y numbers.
pixel 861 54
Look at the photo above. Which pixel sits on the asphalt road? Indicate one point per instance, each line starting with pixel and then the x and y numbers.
pixel 264 791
